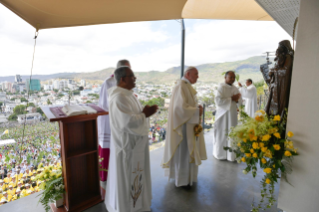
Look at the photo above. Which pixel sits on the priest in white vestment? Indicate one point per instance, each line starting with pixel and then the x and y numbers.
pixel 183 150
pixel 104 131
pixel 129 180
pixel 249 94
pixel 227 99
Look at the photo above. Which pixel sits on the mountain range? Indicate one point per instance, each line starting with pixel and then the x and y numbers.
pixel 208 73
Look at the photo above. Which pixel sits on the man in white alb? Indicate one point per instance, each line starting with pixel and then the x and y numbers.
pixel 129 180
pixel 227 97
pixel 249 94
pixel 104 131
pixel 183 150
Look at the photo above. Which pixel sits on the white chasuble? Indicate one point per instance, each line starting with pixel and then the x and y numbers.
pixel 183 150
pixel 250 96
pixel 129 178
pixel 226 117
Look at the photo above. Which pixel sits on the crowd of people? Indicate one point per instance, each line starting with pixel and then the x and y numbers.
pixel 36 148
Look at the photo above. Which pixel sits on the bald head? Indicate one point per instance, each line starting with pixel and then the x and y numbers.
pixel 191 74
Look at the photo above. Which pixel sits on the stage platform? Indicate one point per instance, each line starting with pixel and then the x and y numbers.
pixel 221 187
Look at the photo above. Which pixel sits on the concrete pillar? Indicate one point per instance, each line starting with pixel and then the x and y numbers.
pixel 303 117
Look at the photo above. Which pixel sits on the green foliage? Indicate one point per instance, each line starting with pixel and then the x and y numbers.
pixel 13 117
pixel 1 103
pixel 49 102
pixel 76 92
pixel 96 96
pixel 60 95
pixel 20 109
pixel 13 98
pixel 88 101
pixel 31 104
pixel 155 101
pixel 40 111
pixel 23 99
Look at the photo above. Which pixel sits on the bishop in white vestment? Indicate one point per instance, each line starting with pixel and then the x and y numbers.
pixel 227 97
pixel 104 131
pixel 129 180
pixel 183 150
pixel 249 94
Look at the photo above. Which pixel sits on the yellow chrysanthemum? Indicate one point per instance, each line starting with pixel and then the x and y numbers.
pixel 248 155
pixel 288 153
pixel 244 140
pixel 267 170
pixel 252 151
pixel 274 166
pixel 263 160
pixel 266 137
pixel 255 155
pixel 267 181
pixel 276 147
pixel 238 144
pixel 254 138
pixel 255 145
pixel 277 118
pixel 259 118
pixel 243 159
pixel 264 149
pixel 261 145
pixel 277 135
pixel 290 134
pixel 268 154
pixel 289 144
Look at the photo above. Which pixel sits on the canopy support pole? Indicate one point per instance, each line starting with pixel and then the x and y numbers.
pixel 183 48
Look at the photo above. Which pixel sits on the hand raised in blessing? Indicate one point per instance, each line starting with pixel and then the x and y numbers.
pixel 149 110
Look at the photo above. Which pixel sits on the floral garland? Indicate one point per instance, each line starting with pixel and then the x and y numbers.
pixel 262 140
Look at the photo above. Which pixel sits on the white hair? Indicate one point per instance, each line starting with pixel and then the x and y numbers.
pixel 189 68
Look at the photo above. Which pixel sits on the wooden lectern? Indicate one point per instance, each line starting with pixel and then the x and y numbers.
pixel 80 158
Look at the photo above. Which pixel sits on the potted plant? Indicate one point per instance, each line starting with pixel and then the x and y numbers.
pixel 52 186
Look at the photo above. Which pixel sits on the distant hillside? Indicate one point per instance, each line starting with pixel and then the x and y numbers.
pixel 209 73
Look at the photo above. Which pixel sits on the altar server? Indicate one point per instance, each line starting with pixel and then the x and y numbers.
pixel 104 131
pixel 129 181
pixel 227 100
pixel 250 96
pixel 183 150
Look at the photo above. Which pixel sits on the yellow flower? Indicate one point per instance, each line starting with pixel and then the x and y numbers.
pixel 277 118
pixel 287 153
pixel 242 150
pixel 268 154
pixel 263 160
pixel 252 151
pixel 289 144
pixel 238 144
pixel 261 145
pixel 261 111
pixel 248 155
pixel 276 147
pixel 264 149
pixel 255 155
pixel 267 181
pixel 254 138
pixel 255 145
pixel 274 166
pixel 277 135
pixel 267 170
pixel 290 134
pixel 272 130
pixel 266 137
pixel 244 140
pixel 259 118
pixel 243 159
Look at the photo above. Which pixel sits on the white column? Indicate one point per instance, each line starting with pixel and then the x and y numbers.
pixel 303 117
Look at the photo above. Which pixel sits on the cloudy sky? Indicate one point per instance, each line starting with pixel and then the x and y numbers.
pixel 148 45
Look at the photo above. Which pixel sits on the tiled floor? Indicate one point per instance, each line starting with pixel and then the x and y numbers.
pixel 221 187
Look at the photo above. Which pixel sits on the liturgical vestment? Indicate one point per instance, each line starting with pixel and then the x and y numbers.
pixel 129 179
pixel 250 96
pixel 183 151
pixel 226 117
pixel 104 131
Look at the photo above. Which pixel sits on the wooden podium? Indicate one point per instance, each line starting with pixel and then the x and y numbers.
pixel 80 159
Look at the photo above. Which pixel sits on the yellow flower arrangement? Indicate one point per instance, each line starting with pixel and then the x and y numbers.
pixel 277 135
pixel 258 142
pixel 267 170
pixel 276 147
pixel 288 153
pixel 276 118
pixel 290 134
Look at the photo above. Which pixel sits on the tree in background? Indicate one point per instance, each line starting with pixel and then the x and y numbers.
pixel 13 117
pixel 49 102
pixel 20 109
pixel 155 101
pixel 31 104
pixel 23 99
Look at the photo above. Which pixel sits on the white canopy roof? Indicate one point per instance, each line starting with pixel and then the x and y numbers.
pixel 43 14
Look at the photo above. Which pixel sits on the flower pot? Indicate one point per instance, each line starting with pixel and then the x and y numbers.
pixel 59 203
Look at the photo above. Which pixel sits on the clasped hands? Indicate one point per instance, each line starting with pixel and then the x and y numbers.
pixel 150 110
pixel 236 97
